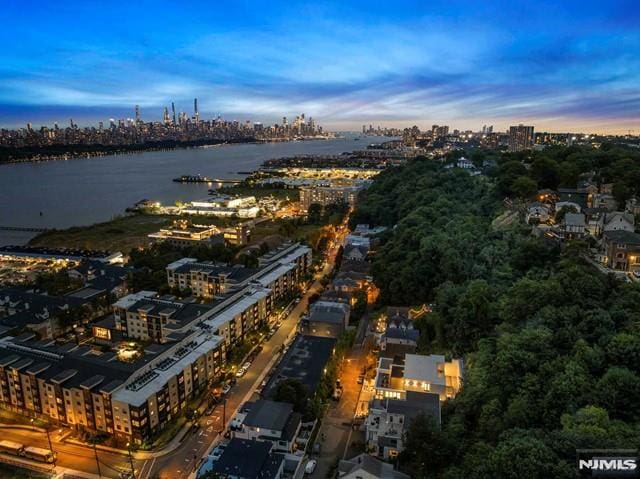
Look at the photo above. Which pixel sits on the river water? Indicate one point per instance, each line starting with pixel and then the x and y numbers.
pixel 59 194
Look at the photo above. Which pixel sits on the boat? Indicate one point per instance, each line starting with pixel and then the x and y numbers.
pixel 192 179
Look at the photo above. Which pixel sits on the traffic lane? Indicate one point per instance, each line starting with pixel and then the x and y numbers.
pixel 71 455
pixel 173 464
pixel 180 462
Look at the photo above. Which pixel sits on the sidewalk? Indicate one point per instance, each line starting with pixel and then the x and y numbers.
pixel 246 397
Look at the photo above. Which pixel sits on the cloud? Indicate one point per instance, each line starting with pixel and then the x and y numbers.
pixel 568 63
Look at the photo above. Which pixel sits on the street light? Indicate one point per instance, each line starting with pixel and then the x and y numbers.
pixel 133 471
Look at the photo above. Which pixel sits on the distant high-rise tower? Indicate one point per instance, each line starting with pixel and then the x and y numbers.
pixel 173 111
pixel 520 138
pixel 195 110
pixel 137 114
pixel 165 116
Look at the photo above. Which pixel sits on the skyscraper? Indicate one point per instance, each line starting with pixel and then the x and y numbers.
pixel 196 116
pixel 520 138
pixel 173 111
pixel 137 114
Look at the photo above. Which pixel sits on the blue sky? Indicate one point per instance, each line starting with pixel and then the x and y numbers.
pixel 564 65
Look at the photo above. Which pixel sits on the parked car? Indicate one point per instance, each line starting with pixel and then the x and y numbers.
pixel 246 365
pixel 360 379
pixel 240 372
pixel 310 466
pixel 636 274
pixel 226 389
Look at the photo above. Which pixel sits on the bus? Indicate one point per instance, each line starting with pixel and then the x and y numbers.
pixel 39 454
pixel 11 447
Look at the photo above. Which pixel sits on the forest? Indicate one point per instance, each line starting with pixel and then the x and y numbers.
pixel 551 345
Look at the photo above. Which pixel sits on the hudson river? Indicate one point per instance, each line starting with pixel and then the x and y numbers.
pixel 85 191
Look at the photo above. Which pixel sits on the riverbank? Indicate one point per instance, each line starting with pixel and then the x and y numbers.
pixel 10 155
pixel 119 234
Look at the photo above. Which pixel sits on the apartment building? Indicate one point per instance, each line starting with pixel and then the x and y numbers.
pixel 326 195
pixel 279 270
pixel 81 387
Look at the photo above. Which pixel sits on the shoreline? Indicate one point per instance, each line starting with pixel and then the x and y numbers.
pixel 145 148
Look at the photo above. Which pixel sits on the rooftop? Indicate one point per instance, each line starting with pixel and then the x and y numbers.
pixel 243 459
pixel 305 360
pixel 269 414
pixel 624 237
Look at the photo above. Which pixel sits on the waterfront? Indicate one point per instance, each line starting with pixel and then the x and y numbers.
pixel 85 191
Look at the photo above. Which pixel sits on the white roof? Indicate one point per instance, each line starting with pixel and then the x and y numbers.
pixel 275 274
pixel 136 398
pixel 423 368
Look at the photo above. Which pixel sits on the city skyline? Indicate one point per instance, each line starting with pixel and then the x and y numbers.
pixel 456 63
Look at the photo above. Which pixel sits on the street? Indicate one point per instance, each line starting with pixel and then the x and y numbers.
pixel 184 460
pixel 181 462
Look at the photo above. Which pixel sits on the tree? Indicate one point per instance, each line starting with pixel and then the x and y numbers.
pixel 524 187
pixel 293 391
pixel 562 212
pixel 314 213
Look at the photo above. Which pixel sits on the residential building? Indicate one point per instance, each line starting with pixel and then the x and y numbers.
pixel 37 311
pixel 271 421
pixel 388 419
pixel 400 338
pixel 365 466
pixel 102 276
pixel 621 250
pixel 573 226
pixel 84 388
pixel 578 196
pixel 327 318
pixel 246 459
pixel 326 195
pixel 619 221
pixel 605 200
pixel 355 252
pixel 368 231
pixel 304 361
pixel 146 317
pixel 207 279
pixel 537 213
pixel 418 373
pixel 520 138
pixel 280 270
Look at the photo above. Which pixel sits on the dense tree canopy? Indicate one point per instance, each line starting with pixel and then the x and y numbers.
pixel 551 344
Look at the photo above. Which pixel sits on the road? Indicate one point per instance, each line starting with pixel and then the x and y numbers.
pixel 71 455
pixel 185 459
pixel 336 434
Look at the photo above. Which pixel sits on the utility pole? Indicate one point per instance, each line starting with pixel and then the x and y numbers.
pixel 224 414
pixel 133 471
pixel 51 448
pixel 95 451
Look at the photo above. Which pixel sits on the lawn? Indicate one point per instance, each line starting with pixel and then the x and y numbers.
pixel 120 234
